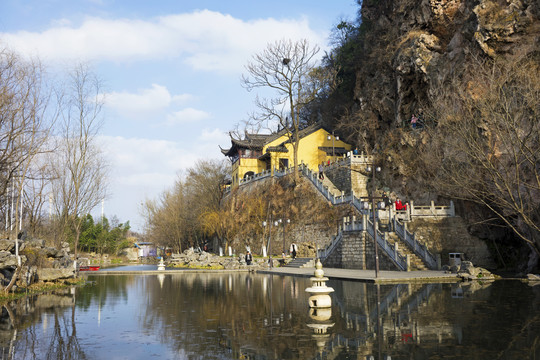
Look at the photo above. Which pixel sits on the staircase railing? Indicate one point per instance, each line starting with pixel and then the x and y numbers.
pixel 400 229
pixel 365 224
pixel 410 239
pixel 393 254
pixel 323 253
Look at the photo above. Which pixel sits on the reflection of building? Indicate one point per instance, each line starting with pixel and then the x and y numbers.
pixel 257 153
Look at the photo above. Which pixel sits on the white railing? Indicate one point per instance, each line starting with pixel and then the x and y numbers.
pixel 323 253
pixel 410 239
pixel 391 251
pixel 255 177
pixel 432 210
pixel 381 214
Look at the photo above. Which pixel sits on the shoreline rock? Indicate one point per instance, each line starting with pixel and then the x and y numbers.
pixel 202 259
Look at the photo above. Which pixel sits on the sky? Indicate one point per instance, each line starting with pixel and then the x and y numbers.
pixel 170 70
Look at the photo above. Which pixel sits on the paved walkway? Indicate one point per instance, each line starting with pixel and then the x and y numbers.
pixel 369 275
pixel 394 277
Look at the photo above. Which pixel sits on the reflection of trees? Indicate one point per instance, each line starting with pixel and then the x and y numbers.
pixel 64 343
pixel 105 289
pixel 241 315
pixel 250 315
pixel 24 333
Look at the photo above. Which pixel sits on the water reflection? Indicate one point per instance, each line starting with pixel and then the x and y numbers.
pixel 249 316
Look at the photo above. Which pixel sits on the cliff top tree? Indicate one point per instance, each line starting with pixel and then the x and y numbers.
pixel 289 70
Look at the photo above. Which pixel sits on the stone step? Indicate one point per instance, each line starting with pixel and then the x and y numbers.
pixel 301 263
pixel 332 189
pixel 415 261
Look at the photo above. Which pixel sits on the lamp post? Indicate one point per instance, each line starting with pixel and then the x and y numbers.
pixel 284 222
pixel 374 169
pixel 333 137
pixel 262 242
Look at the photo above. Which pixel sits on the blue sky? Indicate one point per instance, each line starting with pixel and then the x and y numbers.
pixel 171 72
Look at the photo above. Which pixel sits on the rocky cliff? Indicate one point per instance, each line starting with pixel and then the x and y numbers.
pixel 411 57
pixel 413 46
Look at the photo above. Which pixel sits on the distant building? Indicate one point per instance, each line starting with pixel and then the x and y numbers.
pixel 146 249
pixel 268 152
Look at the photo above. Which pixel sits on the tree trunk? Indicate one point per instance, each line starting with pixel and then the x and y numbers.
pixel 13 279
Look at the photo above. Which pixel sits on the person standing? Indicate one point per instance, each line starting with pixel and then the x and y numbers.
pixel 321 171
pixel 249 258
pixel 293 252
pixel 385 199
pixel 414 120
pixel 399 205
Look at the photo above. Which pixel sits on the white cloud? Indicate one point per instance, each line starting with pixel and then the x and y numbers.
pixel 187 115
pixel 144 168
pixel 147 102
pixel 207 40
pixel 215 136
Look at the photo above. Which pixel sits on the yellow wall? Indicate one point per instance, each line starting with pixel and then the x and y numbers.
pixel 308 153
pixel 308 149
pixel 243 166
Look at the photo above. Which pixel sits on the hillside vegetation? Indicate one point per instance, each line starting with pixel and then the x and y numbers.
pixel 469 70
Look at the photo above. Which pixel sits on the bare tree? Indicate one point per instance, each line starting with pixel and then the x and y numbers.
pixel 181 216
pixel 289 70
pixel 486 145
pixel 166 218
pixel 26 120
pixel 79 183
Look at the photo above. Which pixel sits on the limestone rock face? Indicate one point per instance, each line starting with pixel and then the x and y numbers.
pixel 7 245
pixel 411 46
pixel 33 255
pixel 49 274
pixel 411 50
pixel 204 259
pixel 468 271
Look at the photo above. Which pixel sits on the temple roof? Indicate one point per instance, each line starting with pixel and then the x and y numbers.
pixel 258 141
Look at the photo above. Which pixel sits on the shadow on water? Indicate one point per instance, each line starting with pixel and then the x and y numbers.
pixel 253 316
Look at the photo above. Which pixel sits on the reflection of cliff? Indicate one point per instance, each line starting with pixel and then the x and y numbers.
pixel 26 322
pixel 384 312
pixel 451 321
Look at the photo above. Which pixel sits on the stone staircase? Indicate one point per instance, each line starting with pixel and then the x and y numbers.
pixel 332 189
pixel 301 263
pixel 416 262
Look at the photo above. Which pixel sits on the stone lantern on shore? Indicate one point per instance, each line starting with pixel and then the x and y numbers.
pixel 161 265
pixel 319 298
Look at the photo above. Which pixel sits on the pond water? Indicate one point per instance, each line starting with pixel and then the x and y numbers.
pixel 256 316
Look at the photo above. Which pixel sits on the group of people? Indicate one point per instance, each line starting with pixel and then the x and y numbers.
pixel 400 206
pixel 249 256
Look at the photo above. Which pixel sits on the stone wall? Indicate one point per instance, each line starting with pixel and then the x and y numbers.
pixel 346 179
pixel 340 177
pixel 314 235
pixel 358 180
pixel 356 251
pixel 450 234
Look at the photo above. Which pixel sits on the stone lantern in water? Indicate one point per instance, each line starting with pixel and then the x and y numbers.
pixel 319 298
pixel 320 325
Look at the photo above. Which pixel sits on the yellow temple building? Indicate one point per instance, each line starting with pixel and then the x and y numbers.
pixel 257 153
